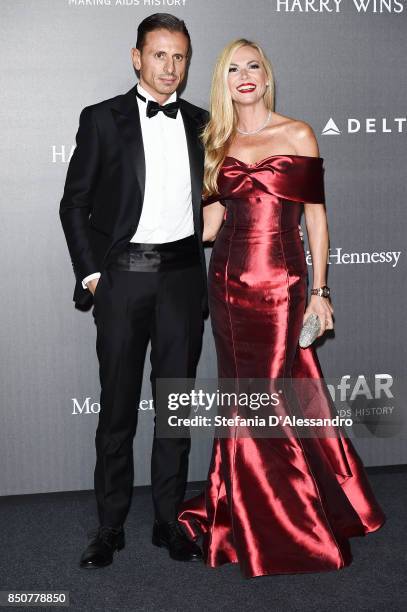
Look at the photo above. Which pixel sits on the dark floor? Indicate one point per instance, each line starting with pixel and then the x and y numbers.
pixel 42 537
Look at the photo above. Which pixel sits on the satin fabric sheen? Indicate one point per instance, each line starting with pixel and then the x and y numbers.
pixel 289 504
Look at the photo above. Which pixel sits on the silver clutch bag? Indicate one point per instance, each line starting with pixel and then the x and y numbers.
pixel 310 330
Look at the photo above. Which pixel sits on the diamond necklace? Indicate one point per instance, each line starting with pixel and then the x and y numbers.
pixel 258 130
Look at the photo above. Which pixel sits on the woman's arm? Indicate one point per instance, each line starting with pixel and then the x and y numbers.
pixel 318 234
pixel 213 218
pixel 318 240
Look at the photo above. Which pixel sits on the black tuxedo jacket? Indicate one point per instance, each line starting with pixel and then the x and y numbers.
pixel 104 189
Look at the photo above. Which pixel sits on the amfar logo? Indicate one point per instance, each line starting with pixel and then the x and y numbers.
pixel 370 125
pixel 361 399
pixel 334 6
pixel 379 388
pixel 337 256
pixel 88 407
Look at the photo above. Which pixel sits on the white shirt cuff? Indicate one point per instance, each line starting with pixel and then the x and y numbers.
pixel 90 277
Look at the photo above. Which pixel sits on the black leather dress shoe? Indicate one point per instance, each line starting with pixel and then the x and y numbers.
pixel 172 536
pixel 99 552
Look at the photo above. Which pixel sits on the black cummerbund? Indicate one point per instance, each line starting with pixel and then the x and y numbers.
pixel 145 257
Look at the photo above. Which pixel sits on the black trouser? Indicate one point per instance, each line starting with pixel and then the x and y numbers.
pixel 150 292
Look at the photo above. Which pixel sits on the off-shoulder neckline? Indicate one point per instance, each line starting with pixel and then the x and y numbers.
pixel 270 157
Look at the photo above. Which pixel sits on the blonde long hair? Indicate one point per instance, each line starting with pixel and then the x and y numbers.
pixel 221 126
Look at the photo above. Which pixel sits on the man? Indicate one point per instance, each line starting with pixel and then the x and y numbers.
pixel 132 220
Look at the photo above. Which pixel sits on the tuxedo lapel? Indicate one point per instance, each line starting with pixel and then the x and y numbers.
pixel 126 115
pixel 196 160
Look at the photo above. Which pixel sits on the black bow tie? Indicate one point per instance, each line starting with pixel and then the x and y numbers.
pixel 153 108
pixel 170 110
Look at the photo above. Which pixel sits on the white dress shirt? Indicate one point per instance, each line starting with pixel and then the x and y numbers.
pixel 167 206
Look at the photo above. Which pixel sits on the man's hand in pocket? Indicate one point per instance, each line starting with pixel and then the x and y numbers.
pixel 92 284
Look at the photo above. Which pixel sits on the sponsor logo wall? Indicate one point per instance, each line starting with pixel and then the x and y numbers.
pixel 338 66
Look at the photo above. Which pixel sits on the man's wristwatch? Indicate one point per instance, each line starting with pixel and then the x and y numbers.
pixel 321 291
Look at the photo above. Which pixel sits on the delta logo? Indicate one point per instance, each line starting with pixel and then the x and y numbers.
pixel 367 125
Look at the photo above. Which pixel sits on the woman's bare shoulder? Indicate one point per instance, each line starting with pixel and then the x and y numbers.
pixel 299 134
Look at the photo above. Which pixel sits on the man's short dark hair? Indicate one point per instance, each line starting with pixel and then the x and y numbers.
pixel 161 21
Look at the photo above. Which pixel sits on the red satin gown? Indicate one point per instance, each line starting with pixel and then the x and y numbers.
pixel 281 505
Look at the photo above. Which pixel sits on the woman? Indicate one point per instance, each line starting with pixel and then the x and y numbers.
pixel 285 504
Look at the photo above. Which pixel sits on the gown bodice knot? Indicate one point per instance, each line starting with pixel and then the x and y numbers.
pixel 297 178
